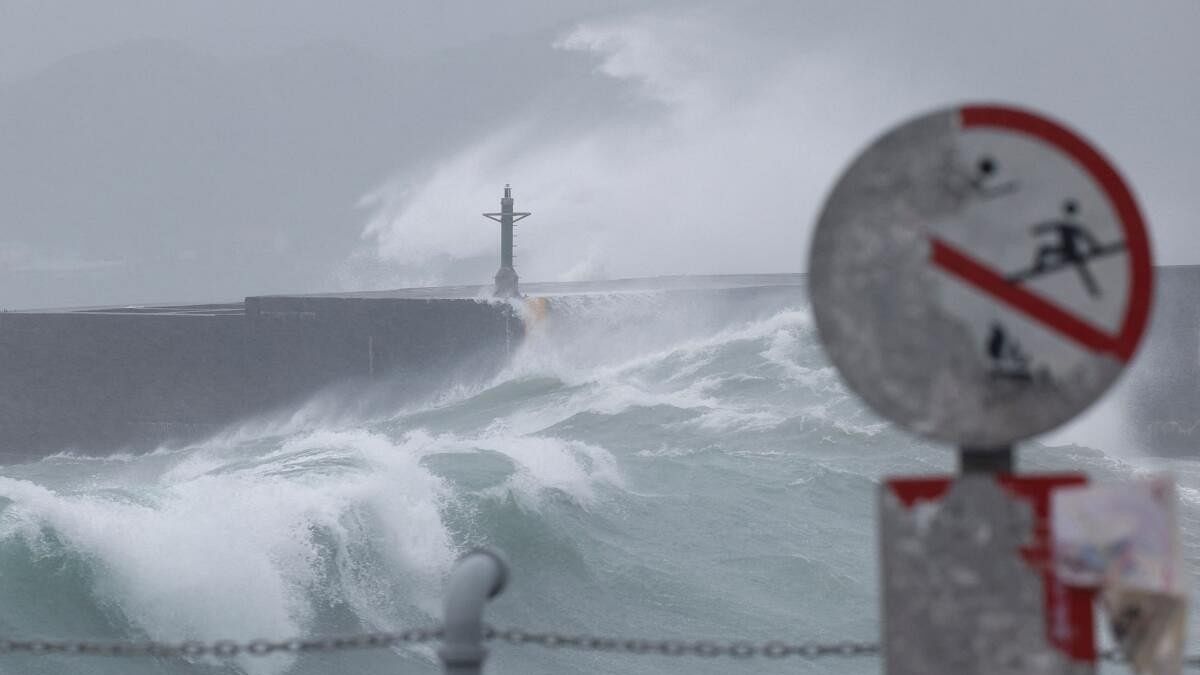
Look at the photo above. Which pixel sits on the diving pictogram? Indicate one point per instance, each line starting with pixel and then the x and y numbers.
pixel 1007 359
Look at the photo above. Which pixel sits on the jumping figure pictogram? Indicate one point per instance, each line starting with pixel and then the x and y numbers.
pixel 1071 245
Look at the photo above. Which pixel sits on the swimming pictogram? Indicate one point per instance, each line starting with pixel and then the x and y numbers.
pixel 1070 245
pixel 984 181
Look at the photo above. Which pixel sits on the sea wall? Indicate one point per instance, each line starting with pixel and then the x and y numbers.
pixel 405 347
pixel 102 380
pixel 99 381
pixel 1161 394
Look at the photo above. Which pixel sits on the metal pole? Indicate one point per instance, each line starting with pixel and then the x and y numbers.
pixel 506 229
pixel 479 576
pixel 986 460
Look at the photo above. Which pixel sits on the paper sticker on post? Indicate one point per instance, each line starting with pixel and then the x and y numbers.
pixel 1124 541
pixel 980 275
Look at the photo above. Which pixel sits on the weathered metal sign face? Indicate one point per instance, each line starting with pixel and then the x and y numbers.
pixel 980 275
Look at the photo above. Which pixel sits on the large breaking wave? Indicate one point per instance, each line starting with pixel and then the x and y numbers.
pixel 655 464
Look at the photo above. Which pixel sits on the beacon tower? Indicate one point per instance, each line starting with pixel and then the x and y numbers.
pixel 506 278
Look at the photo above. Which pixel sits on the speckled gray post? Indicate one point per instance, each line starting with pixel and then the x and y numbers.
pixel 958 599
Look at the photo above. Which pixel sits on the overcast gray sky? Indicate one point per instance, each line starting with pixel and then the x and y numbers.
pixel 157 150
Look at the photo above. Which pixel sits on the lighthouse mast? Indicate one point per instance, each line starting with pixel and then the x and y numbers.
pixel 506 278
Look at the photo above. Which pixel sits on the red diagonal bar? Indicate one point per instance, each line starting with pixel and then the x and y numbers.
pixel 1048 314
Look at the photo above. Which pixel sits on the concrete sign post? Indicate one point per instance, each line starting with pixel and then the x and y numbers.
pixel 968 580
pixel 980 275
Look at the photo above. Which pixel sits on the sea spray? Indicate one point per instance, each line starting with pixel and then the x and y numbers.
pixel 655 464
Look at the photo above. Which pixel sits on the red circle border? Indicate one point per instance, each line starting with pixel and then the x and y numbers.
pixel 1137 241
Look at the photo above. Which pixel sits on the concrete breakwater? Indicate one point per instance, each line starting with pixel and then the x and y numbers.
pixel 106 379
pixel 1160 396
pixel 101 380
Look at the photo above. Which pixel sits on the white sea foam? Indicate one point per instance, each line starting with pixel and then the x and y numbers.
pixel 213 550
pixel 633 434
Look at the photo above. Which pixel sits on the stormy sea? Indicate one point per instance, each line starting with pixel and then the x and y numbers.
pixel 655 465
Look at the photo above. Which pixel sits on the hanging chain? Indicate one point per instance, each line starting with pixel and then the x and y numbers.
pixel 220 648
pixel 704 648
pixel 773 649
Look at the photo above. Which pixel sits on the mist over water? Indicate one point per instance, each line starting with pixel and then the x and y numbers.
pixel 655 464
pixel 663 465
pixel 669 179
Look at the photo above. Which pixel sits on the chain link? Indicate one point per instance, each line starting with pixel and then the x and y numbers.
pixel 773 649
pixel 220 648
pixel 1115 656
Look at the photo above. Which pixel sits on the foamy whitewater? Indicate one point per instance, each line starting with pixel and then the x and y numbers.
pixel 653 467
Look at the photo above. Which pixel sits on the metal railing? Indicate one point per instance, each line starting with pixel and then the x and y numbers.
pixel 478 577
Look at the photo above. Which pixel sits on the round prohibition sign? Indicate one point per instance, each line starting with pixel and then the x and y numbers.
pixel 980 275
